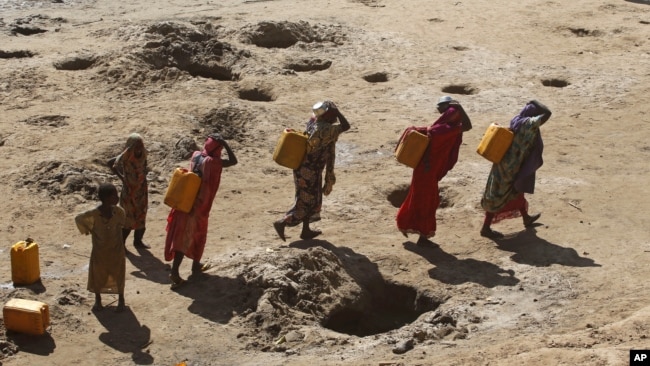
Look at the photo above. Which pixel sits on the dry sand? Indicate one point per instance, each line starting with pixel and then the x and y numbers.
pixel 76 77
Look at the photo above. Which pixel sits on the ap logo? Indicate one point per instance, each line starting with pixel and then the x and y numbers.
pixel 639 357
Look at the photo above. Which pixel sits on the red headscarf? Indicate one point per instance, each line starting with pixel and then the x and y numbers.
pixel 212 148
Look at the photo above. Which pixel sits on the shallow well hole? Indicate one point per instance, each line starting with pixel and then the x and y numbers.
pixel 16 54
pixel 256 95
pixel 390 307
pixel 376 77
pixel 555 83
pixel 462 89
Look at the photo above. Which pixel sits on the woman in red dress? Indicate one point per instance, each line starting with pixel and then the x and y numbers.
pixel 417 215
pixel 187 232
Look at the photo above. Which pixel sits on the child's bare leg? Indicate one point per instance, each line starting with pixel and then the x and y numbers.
pixel 120 304
pixel 125 234
pixel 98 302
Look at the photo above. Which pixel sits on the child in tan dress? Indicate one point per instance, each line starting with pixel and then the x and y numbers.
pixel 106 273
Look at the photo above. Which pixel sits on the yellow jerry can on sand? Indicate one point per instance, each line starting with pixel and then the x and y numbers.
pixel 25 269
pixel 495 142
pixel 26 316
pixel 182 190
pixel 411 149
pixel 290 149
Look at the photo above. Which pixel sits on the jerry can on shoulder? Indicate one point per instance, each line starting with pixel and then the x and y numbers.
pixel 411 149
pixel 495 142
pixel 290 149
pixel 182 190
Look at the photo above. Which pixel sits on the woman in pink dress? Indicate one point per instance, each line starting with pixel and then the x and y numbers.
pixel 187 232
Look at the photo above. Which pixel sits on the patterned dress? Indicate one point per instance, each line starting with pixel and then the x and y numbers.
pixel 515 174
pixel 321 152
pixel 134 198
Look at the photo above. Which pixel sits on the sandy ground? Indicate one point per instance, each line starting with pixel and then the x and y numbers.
pixel 76 77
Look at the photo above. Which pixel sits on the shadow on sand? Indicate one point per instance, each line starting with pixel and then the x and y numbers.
pixel 149 267
pixel 535 251
pixel 218 298
pixel 42 345
pixel 125 334
pixel 451 270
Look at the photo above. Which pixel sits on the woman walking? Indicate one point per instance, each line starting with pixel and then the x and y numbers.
pixel 417 215
pixel 187 232
pixel 321 150
pixel 515 174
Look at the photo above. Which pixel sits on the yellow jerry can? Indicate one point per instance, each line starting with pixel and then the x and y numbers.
pixel 290 149
pixel 495 142
pixel 26 316
pixel 411 149
pixel 25 269
pixel 183 188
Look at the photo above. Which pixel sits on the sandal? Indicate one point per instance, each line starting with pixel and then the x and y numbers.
pixel 176 282
pixel 201 268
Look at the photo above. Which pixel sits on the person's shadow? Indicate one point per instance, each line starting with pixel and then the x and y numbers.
pixel 451 270
pixel 125 334
pixel 647 2
pixel 218 298
pixel 530 249
pixel 149 267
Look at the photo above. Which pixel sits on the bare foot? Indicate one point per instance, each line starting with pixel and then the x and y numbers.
pixel 306 235
pixel 279 228
pixel 97 307
pixel 120 308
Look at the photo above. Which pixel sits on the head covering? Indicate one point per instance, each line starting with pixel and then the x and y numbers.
pixel 133 139
pixel 530 110
pixel 128 154
pixel 212 146
pixel 445 99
